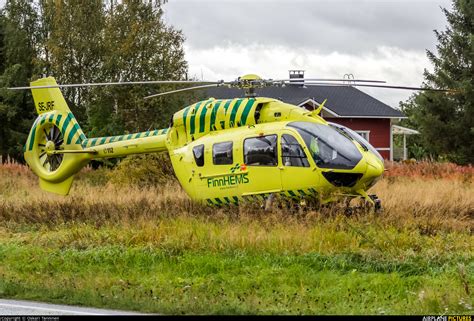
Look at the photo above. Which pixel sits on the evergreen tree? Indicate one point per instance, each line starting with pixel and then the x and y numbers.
pixel 17 26
pixel 446 121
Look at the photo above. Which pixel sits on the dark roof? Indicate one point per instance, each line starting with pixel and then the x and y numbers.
pixel 343 100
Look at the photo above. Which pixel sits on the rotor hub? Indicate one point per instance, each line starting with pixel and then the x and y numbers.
pixel 50 146
pixel 51 140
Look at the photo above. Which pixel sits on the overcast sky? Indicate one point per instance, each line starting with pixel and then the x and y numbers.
pixel 372 39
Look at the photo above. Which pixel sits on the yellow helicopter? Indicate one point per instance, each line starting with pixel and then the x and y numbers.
pixel 222 150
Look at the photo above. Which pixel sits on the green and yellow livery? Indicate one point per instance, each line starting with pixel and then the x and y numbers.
pixel 222 150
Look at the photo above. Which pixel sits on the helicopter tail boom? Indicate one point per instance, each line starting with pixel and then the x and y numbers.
pixel 153 141
pixel 56 148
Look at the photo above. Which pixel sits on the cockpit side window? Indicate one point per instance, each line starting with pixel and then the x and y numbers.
pixel 292 153
pixel 328 147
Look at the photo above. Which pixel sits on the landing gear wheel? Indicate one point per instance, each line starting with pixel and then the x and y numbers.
pixel 349 211
pixel 377 203
pixel 51 139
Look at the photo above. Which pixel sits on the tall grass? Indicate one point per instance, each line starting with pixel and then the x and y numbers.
pixel 411 199
pixel 155 238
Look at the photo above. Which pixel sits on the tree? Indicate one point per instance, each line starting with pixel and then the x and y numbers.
pixel 88 41
pixel 72 39
pixel 141 47
pixel 446 121
pixel 18 54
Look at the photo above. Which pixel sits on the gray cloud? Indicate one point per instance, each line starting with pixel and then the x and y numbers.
pixel 326 26
pixel 381 39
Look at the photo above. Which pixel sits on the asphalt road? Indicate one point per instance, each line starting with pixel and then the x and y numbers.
pixel 16 307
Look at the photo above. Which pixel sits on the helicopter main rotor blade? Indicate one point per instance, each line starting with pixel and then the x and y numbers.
pixel 183 89
pixel 376 86
pixel 149 82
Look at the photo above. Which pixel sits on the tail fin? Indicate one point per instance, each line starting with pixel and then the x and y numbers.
pixel 54 130
pixel 51 101
pixel 48 99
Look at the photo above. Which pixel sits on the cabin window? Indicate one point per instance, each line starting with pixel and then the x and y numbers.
pixel 198 152
pixel 261 151
pixel 222 153
pixel 292 153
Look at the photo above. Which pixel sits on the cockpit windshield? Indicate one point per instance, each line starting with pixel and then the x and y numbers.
pixel 358 138
pixel 328 147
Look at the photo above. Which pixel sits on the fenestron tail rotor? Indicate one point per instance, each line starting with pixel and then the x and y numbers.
pixel 51 140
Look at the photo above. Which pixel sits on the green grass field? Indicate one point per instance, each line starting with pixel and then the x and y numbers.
pixel 151 249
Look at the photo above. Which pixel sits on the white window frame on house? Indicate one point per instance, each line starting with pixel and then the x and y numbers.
pixel 364 133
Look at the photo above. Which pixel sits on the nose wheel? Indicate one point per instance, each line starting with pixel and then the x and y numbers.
pixel 377 203
pixel 368 203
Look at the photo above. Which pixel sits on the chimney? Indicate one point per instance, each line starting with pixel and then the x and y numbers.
pixel 297 76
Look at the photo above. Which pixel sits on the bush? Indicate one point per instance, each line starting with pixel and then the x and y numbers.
pixel 143 171
pixel 427 169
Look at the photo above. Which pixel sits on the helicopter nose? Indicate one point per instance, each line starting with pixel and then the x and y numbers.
pixel 374 170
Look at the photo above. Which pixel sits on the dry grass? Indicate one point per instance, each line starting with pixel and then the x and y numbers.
pixel 155 237
pixel 411 201
pixel 413 206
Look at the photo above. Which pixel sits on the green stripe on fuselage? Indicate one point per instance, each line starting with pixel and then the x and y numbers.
pixel 226 107
pixel 185 115
pixel 193 118
pixel 33 134
pixel 73 131
pixel 58 119
pixel 233 114
pixel 66 123
pixel 202 117
pixel 214 114
pixel 245 113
